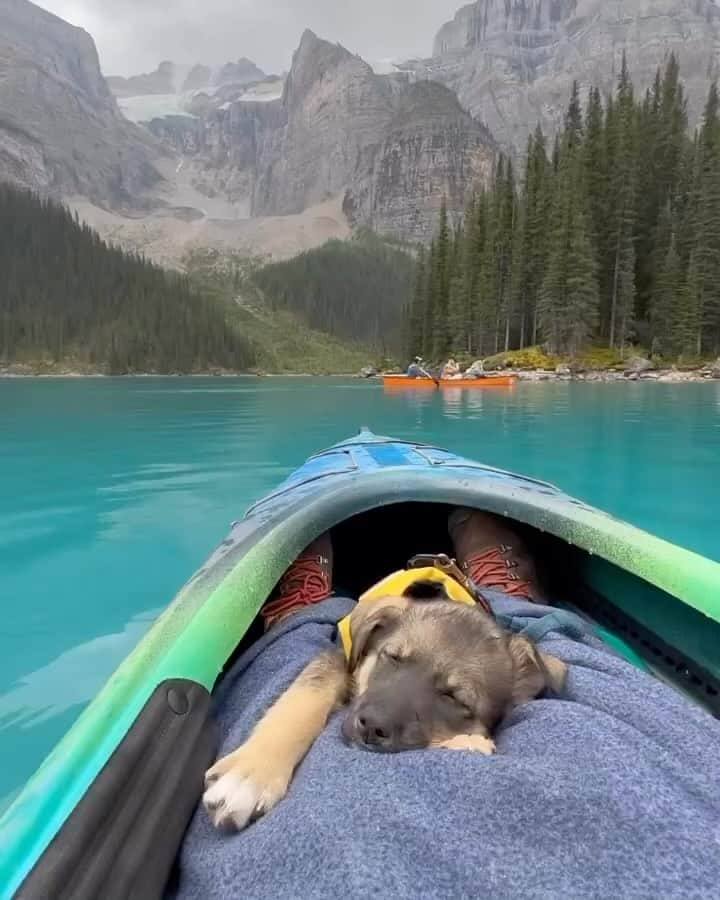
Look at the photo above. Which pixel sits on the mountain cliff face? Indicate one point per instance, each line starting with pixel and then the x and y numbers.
pixel 392 148
pixel 512 62
pixel 60 129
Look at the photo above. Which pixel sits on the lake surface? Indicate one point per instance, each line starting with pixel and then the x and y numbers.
pixel 115 490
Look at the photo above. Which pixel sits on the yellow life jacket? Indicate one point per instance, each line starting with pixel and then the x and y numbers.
pixel 396 585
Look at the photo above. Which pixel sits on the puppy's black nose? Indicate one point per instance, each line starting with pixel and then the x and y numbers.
pixel 374 728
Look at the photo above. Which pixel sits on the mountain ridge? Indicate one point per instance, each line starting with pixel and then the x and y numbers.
pixel 512 62
pixel 391 147
pixel 61 131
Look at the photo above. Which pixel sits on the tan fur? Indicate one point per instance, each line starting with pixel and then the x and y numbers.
pixel 362 675
pixel 556 671
pixel 533 670
pixel 369 616
pixel 477 743
pixel 255 777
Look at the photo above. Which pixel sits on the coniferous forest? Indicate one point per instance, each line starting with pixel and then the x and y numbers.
pixel 354 290
pixel 67 295
pixel 606 237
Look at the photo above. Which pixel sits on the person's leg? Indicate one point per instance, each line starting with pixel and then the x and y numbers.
pixel 492 554
pixel 486 548
pixel 307 581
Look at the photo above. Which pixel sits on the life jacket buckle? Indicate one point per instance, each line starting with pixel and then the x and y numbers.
pixel 448 566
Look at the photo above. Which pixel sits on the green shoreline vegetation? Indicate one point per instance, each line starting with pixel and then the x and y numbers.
pixel 72 304
pixel 611 239
pixel 67 295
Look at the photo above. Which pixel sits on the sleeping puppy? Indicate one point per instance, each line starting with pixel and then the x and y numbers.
pixel 420 673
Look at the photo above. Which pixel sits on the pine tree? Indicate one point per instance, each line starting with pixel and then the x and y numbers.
pixel 552 300
pixel 475 250
pixel 574 120
pixel 666 307
pixel 523 249
pixel 506 249
pixel 556 155
pixel 594 164
pixel 486 303
pixel 568 306
pixel 706 223
pixel 621 255
pixel 440 285
pixel 430 304
pixel 662 136
pixel 457 315
pixel 689 314
pixel 414 343
pixel 624 306
pixel 615 238
pixel 582 298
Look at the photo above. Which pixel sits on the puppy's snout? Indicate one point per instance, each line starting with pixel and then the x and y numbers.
pixel 381 728
pixel 375 729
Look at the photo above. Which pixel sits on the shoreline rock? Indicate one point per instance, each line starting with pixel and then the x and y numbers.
pixel 667 376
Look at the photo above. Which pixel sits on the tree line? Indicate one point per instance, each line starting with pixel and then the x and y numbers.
pixel 354 290
pixel 66 295
pixel 609 236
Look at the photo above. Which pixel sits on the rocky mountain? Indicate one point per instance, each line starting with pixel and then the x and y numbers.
pixel 174 89
pixel 171 78
pixel 512 62
pixel 60 128
pixel 392 148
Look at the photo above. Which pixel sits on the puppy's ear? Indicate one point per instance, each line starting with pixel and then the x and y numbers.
pixel 533 671
pixel 367 622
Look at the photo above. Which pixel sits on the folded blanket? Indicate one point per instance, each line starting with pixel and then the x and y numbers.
pixel 612 790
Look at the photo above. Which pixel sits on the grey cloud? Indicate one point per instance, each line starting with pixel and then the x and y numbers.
pixel 134 35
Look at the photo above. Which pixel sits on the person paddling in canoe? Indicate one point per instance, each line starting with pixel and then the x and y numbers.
pixel 604 782
pixel 417 369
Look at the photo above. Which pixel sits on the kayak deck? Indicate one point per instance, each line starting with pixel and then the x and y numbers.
pixel 404 381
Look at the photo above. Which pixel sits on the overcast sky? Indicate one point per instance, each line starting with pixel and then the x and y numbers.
pixel 134 35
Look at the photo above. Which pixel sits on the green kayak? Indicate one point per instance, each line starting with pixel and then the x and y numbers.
pixel 96 821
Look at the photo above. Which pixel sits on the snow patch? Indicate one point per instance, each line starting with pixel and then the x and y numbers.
pixel 154 106
pixel 383 66
pixel 264 91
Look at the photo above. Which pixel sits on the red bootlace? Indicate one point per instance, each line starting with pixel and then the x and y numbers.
pixel 305 582
pixel 493 568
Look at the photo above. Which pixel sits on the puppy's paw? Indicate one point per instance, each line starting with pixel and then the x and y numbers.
pixel 477 743
pixel 242 787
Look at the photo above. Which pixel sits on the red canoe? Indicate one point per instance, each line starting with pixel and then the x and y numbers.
pixel 402 381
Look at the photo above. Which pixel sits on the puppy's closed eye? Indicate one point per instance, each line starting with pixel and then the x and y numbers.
pixel 457 701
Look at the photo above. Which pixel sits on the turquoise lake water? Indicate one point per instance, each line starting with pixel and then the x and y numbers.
pixel 115 490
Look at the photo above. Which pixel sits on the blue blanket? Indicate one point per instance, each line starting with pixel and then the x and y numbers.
pixel 612 790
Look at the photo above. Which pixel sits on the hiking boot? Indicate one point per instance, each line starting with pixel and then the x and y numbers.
pixel 307 581
pixel 492 554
